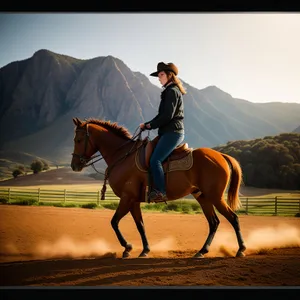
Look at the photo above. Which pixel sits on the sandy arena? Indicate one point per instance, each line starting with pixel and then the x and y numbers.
pixel 49 246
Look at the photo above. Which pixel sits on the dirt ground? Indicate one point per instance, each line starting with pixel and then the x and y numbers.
pixel 51 246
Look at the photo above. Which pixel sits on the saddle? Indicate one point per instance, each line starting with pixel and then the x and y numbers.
pixel 182 153
pixel 181 158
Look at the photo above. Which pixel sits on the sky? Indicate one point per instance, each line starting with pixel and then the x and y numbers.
pixel 251 56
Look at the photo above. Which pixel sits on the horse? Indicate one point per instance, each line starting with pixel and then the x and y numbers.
pixel 208 174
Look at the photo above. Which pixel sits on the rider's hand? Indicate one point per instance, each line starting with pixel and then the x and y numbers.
pixel 143 126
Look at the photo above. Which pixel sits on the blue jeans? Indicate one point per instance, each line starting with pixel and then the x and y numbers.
pixel 165 145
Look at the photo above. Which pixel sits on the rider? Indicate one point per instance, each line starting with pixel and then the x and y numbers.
pixel 169 122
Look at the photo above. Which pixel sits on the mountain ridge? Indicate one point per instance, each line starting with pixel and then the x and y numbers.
pixel 40 96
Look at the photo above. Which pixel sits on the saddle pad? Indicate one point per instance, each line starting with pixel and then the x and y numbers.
pixel 181 164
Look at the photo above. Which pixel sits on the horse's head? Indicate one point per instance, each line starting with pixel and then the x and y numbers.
pixel 83 147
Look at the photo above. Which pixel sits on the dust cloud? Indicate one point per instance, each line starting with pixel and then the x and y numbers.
pixel 282 236
pixel 11 249
pixel 164 245
pixel 66 247
pixel 258 241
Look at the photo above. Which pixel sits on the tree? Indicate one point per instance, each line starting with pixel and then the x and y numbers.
pixel 16 173
pixel 45 165
pixel 37 166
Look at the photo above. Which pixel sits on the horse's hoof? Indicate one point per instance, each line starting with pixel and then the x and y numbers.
pixel 198 255
pixel 240 254
pixel 128 248
pixel 125 254
pixel 143 254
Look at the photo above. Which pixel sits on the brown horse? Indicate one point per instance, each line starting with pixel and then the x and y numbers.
pixel 206 178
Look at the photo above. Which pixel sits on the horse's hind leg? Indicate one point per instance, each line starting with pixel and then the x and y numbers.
pixel 122 210
pixel 213 222
pixel 138 219
pixel 233 219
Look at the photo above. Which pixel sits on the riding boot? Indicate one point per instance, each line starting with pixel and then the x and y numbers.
pixel 157 196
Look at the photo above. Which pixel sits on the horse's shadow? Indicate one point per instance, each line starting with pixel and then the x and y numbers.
pixel 100 271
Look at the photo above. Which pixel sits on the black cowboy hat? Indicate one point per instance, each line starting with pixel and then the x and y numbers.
pixel 161 66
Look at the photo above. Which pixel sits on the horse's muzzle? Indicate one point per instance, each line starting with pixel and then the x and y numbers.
pixel 78 162
pixel 76 168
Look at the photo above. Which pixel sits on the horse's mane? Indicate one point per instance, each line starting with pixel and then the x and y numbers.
pixel 112 126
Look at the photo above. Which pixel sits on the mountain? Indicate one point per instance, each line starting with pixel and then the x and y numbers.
pixel 297 130
pixel 40 96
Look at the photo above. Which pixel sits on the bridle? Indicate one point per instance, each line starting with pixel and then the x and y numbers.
pixel 85 160
pixel 82 157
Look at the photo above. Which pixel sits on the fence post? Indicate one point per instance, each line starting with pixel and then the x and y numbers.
pixel 65 195
pixel 39 194
pixel 275 205
pixel 247 206
pixel 8 194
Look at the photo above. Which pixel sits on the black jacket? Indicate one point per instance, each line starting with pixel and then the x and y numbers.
pixel 170 112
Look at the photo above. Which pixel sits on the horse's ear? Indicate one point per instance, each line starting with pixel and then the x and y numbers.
pixel 76 121
pixel 79 122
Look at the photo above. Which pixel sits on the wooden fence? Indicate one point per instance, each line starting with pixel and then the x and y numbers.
pixel 250 205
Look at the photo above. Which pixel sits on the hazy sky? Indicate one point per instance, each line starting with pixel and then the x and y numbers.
pixel 252 56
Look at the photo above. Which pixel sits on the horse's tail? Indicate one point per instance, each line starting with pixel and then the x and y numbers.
pixel 236 179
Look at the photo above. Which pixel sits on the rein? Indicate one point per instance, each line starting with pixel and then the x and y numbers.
pixel 132 150
pixel 85 160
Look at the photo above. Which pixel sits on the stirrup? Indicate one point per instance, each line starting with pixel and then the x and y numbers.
pixel 155 195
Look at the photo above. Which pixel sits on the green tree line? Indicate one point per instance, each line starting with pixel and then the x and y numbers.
pixel 269 162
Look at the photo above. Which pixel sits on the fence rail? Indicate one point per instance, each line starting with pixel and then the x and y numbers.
pixel 250 205
pixel 277 205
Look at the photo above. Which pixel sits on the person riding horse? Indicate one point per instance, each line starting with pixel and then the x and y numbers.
pixel 170 125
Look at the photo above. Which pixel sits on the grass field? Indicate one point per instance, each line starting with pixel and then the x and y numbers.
pixel 70 187
pixel 94 187
pixel 89 196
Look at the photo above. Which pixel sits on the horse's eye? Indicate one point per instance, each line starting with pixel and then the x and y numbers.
pixel 78 141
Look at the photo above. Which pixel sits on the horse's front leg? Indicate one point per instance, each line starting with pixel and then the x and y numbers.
pixel 122 210
pixel 138 219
